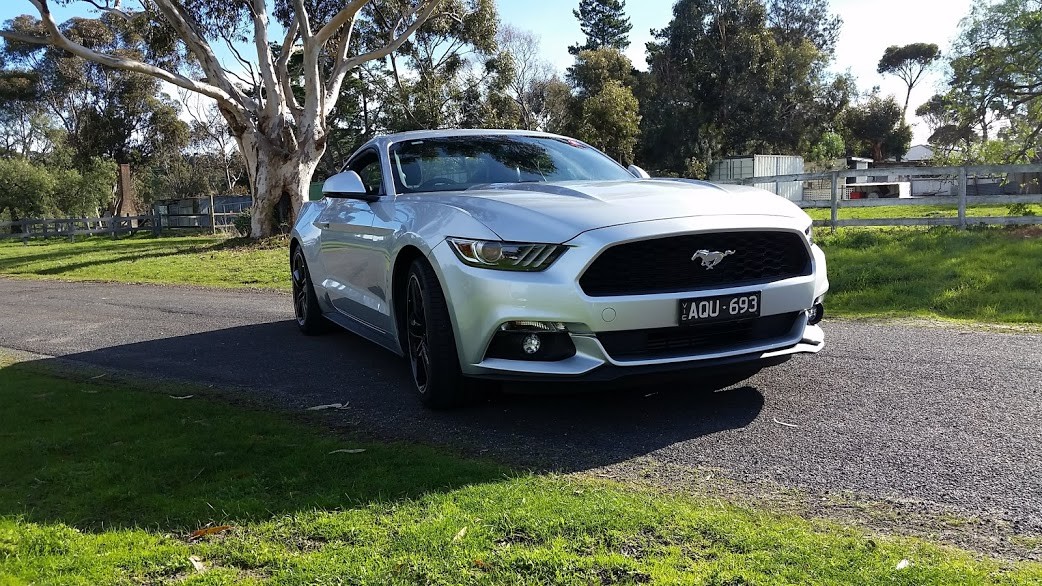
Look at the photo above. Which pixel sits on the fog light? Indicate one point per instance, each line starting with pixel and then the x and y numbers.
pixel 815 314
pixel 531 344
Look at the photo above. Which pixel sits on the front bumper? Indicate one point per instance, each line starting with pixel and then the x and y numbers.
pixel 481 300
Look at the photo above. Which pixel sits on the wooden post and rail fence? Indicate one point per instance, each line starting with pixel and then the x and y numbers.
pixel 114 226
pixel 959 175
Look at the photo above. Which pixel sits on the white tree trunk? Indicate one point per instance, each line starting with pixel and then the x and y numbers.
pixel 280 177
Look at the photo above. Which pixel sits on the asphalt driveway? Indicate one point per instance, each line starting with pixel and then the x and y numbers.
pixel 942 416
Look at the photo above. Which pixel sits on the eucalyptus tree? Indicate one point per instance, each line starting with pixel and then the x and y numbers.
pixel 908 63
pixel 281 135
pixel 108 113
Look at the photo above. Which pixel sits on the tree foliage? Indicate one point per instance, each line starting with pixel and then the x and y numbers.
pixel 908 63
pixel 875 129
pixel 604 23
pixel 734 77
pixel 996 76
pixel 529 80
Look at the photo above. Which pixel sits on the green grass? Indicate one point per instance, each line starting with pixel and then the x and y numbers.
pixel 187 260
pixel 984 275
pixel 100 483
pixel 915 211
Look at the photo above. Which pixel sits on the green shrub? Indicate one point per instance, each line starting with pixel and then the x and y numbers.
pixel 243 224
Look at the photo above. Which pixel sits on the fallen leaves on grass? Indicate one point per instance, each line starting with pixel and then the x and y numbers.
pixel 903 564
pixel 197 564
pixel 462 533
pixel 208 531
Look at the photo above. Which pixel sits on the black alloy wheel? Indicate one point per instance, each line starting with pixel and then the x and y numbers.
pixel 430 344
pixel 416 326
pixel 306 310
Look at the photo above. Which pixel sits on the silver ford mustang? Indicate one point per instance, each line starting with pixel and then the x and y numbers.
pixel 515 255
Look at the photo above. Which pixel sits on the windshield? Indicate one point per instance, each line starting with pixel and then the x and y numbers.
pixel 457 163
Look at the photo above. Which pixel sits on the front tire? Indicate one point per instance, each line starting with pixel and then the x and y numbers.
pixel 430 345
pixel 306 310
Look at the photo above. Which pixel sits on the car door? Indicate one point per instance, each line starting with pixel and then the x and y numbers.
pixel 351 252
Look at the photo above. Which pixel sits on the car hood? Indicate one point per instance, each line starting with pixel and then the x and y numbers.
pixel 558 212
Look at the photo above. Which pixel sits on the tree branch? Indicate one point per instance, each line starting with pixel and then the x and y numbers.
pixel 274 101
pixel 198 45
pixel 423 12
pixel 282 65
pixel 346 15
pixel 57 39
pixel 114 10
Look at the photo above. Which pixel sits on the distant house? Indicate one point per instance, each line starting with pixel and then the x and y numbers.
pixel 920 154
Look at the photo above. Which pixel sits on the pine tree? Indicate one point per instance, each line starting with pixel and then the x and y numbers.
pixel 605 24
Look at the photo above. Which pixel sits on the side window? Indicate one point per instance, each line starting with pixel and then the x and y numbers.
pixel 368 168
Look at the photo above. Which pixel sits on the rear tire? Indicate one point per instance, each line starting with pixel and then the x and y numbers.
pixel 430 345
pixel 306 310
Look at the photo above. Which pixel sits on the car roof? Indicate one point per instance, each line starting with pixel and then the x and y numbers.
pixel 450 132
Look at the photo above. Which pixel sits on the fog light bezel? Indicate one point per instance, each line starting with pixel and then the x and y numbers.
pixel 555 343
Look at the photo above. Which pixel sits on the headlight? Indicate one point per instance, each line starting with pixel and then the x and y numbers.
pixel 506 256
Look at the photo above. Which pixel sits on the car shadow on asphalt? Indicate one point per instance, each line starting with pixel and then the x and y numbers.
pixel 565 431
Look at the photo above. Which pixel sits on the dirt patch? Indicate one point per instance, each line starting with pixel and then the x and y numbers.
pixel 1028 232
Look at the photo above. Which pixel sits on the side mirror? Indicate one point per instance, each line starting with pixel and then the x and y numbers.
pixel 638 172
pixel 347 184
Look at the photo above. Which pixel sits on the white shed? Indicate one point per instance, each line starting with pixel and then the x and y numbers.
pixel 733 169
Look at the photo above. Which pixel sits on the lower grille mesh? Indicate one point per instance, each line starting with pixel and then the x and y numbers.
pixel 688 340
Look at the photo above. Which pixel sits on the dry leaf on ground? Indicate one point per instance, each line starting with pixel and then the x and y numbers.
pixel 337 406
pixel 197 564
pixel 207 531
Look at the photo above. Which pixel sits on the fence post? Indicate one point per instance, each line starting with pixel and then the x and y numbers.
pixel 157 228
pixel 213 217
pixel 962 198
pixel 835 200
pixel 113 222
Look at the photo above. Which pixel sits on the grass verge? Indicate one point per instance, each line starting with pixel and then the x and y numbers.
pixel 916 211
pixel 186 260
pixel 102 483
pixel 984 274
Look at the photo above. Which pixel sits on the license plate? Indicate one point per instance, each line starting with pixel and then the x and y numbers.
pixel 720 308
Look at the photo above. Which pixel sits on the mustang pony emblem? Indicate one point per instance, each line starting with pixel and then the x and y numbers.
pixel 711 259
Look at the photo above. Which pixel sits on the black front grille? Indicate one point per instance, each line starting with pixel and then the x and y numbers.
pixel 665 265
pixel 690 340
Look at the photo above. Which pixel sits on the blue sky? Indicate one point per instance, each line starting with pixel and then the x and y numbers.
pixel 869 27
